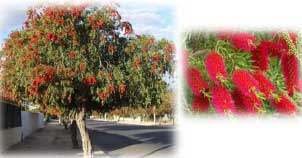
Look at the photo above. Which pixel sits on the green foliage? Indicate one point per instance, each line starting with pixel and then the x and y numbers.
pixel 68 57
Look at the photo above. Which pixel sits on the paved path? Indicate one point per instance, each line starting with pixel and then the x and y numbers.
pixel 108 139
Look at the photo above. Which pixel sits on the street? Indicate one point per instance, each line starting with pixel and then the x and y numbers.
pixel 109 139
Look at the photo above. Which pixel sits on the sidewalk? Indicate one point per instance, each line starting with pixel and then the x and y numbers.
pixel 51 141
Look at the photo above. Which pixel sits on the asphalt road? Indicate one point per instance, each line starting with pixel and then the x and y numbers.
pixel 123 140
pixel 109 139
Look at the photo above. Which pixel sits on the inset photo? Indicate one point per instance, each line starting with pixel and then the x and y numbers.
pixel 242 73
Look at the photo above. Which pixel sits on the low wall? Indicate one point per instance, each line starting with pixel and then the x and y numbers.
pixel 31 122
pixel 9 137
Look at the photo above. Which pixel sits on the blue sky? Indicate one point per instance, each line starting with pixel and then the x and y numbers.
pixel 146 17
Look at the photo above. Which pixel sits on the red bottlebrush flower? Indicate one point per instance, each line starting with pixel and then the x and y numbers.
pixel 290 70
pixel 110 89
pixel 222 100
pixel 245 82
pixel 273 49
pixel 215 66
pixel 51 36
pixel 243 41
pixel 122 88
pixel 102 74
pixel 82 67
pixel 200 103
pixel 195 81
pixel 246 104
pixel 156 59
pixel 260 56
pixel 103 95
pixel 284 105
pixel 137 63
pixel 71 55
pixel 282 42
pixel 266 86
pixel 111 48
pixel 101 23
pixel 110 76
pixel 239 104
pixel 90 80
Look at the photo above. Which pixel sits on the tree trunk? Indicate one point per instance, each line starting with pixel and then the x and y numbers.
pixel 154 115
pixel 86 143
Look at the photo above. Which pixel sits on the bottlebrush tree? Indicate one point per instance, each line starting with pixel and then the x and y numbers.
pixel 243 72
pixel 74 59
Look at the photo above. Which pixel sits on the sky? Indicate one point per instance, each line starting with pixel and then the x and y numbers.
pixel 146 16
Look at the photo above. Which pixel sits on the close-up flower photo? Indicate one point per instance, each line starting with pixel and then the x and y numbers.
pixel 243 73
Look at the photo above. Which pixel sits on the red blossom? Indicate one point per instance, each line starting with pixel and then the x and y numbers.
pixel 71 55
pixel 195 81
pixel 82 67
pixel 91 80
pixel 290 70
pixel 260 56
pixel 245 82
pixel 243 41
pixel 222 100
pixel 110 89
pixel 282 42
pixel 284 105
pixel 51 36
pixel 137 63
pixel 122 88
pixel 156 59
pixel 248 87
pixel 103 95
pixel 215 66
pixel 266 86
pixel 273 49
pixel 101 23
pixel 200 103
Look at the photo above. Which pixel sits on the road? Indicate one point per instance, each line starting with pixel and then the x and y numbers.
pixel 109 139
pixel 119 140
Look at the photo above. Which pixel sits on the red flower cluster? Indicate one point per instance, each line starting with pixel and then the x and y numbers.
pixel 215 66
pixel 222 100
pixel 282 42
pixel 82 67
pixel 200 103
pixel 52 37
pixel 103 95
pixel 290 70
pixel 156 59
pixel 284 105
pixel 248 87
pixel 243 41
pixel 122 88
pixel 72 55
pixel 195 81
pixel 91 80
pixel 137 63
pixel 266 86
pixel 260 56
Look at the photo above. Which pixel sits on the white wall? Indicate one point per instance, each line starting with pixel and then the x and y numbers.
pixel 31 122
pixel 9 137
